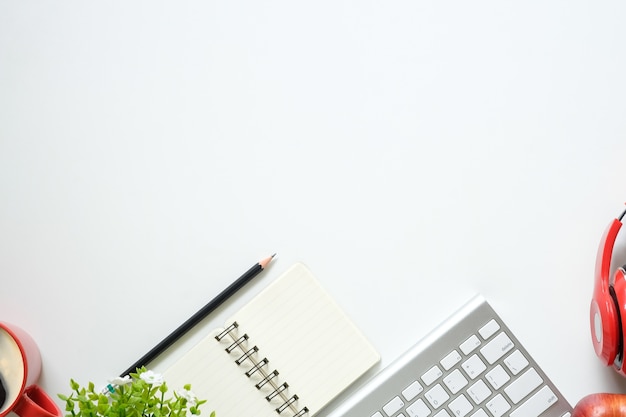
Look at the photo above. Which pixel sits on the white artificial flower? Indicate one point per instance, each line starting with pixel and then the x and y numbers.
pixel 152 378
pixel 120 380
pixel 189 396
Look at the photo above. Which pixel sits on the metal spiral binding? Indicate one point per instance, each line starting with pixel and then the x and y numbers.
pixel 237 343
pixel 246 355
pixel 301 412
pixel 256 367
pixel 226 331
pixel 287 403
pixel 268 378
pixel 277 391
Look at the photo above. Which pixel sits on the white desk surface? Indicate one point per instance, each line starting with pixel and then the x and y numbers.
pixel 410 153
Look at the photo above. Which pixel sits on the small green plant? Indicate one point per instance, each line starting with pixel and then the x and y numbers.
pixel 141 394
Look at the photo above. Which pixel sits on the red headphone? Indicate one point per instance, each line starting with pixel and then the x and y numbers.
pixel 608 306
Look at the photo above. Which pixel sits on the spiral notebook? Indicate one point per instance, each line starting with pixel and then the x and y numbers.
pixel 288 352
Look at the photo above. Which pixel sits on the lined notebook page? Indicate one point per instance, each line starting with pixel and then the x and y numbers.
pixel 306 337
pixel 302 333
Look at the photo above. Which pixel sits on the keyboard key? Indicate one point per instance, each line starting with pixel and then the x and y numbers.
pixel 393 406
pixel 537 404
pixel 516 362
pixel 455 381
pixel 498 406
pixel 479 392
pixel 450 360
pixel 377 414
pixel 473 367
pixel 523 385
pixel 412 391
pixel 497 377
pixel 437 396
pixel 418 409
pixel 470 344
pixel 460 406
pixel 480 413
pixel 489 329
pixel 442 413
pixel 495 349
pixel 432 375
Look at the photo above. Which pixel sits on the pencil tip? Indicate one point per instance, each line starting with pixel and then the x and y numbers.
pixel 266 261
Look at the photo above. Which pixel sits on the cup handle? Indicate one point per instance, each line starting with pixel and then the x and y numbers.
pixel 36 403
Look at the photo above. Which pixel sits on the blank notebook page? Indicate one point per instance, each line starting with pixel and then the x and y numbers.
pixel 304 335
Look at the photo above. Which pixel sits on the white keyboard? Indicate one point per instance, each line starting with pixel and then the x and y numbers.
pixel 470 366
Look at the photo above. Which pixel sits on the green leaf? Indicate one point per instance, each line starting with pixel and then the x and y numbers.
pixel 139 399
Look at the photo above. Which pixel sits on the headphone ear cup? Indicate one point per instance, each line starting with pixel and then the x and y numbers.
pixel 619 294
pixel 605 325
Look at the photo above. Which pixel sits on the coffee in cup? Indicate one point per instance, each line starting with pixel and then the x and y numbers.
pixel 20 367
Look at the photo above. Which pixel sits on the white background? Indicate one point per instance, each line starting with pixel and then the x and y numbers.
pixel 411 153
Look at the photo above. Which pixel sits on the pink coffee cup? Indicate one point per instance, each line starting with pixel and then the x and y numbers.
pixel 20 366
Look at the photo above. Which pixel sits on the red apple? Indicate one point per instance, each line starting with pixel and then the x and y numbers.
pixel 601 405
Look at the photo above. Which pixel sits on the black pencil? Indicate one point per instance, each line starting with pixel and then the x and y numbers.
pixel 199 315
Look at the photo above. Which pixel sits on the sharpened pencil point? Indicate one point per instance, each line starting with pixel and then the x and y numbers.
pixel 266 261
